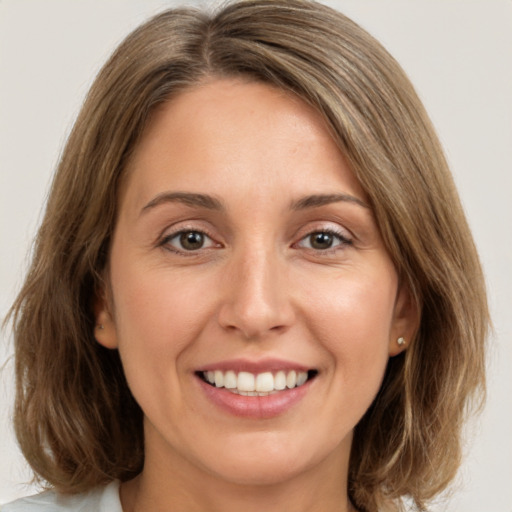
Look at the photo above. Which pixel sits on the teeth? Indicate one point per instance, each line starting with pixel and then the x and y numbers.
pixel 261 384
pixel 280 381
pixel 230 380
pixel 291 379
pixel 219 379
pixel 265 382
pixel 245 381
pixel 302 377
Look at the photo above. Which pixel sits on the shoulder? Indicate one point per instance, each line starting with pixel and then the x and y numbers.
pixel 100 499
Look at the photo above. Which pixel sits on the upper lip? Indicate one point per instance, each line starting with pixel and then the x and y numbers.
pixel 263 365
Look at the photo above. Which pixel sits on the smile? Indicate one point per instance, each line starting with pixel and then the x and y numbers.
pixel 260 384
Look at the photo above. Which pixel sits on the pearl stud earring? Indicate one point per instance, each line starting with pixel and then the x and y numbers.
pixel 400 341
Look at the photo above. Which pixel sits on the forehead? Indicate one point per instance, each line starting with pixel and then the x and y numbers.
pixel 248 135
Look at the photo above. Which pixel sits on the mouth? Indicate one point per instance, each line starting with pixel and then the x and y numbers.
pixel 257 384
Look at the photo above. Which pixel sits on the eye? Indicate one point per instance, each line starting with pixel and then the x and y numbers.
pixel 324 240
pixel 188 241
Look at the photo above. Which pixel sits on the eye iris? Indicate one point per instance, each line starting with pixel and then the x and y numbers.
pixel 191 240
pixel 321 240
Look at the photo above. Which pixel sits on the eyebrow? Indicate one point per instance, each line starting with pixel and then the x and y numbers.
pixel 188 198
pixel 211 203
pixel 317 200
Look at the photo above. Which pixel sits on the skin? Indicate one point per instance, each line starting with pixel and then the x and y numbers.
pixel 256 289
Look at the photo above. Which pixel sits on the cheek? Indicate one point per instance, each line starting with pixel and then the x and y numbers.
pixel 352 318
pixel 158 306
pixel 158 316
pixel 354 304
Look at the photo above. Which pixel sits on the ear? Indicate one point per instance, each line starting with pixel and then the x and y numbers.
pixel 105 328
pixel 406 319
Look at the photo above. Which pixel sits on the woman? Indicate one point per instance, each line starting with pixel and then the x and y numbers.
pixel 254 284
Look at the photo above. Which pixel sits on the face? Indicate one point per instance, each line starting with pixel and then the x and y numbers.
pixel 251 298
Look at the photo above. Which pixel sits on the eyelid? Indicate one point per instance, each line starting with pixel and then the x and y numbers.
pixel 325 227
pixel 344 237
pixel 171 233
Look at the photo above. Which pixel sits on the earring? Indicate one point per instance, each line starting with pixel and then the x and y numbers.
pixel 100 327
pixel 400 341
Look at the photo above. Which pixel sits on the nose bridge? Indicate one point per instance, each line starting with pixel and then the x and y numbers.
pixel 257 300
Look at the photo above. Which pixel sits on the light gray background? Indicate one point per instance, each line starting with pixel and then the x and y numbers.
pixel 458 53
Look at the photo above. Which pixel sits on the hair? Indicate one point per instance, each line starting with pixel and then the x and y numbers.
pixel 75 418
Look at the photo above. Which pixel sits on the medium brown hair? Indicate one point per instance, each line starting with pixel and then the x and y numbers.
pixel 76 420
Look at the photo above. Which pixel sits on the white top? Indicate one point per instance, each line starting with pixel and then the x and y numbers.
pixel 100 499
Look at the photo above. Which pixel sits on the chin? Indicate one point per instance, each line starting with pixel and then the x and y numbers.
pixel 261 461
pixel 259 472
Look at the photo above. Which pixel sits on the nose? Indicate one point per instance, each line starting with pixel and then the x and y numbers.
pixel 256 299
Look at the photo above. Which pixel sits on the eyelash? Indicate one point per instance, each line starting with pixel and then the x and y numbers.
pixel 343 240
pixel 165 242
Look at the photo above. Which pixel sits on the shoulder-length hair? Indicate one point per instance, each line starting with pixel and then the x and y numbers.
pixel 76 420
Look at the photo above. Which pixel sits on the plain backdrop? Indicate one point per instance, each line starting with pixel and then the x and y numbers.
pixel 458 54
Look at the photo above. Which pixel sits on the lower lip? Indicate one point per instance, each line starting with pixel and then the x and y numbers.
pixel 254 406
